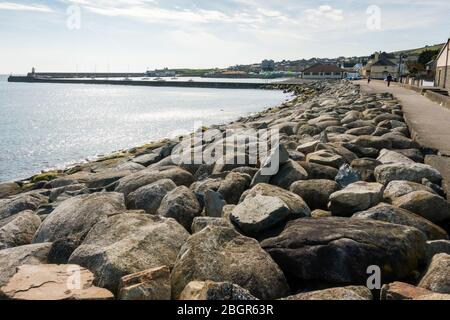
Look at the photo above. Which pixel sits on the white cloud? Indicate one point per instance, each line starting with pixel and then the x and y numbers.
pixel 23 7
pixel 324 13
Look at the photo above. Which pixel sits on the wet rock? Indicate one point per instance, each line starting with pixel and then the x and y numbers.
pixel 437 277
pixel 18 230
pixel 426 204
pixel 396 189
pixel 149 197
pixel 315 192
pixel 215 291
pixel 233 186
pixel 53 282
pixel 295 203
pixel 365 168
pixel 325 158
pixel 339 250
pixel 182 205
pixel 142 178
pixel 289 173
pixel 12 258
pixel 20 203
pixel 344 293
pixel 73 218
pixel 223 255
pixel 152 284
pixel 201 223
pixel 388 213
pixel 414 172
pixel 356 197
pixel 127 243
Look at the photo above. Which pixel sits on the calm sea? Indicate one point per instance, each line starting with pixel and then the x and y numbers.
pixel 45 126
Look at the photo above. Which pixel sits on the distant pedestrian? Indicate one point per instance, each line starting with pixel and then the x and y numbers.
pixel 368 80
pixel 389 80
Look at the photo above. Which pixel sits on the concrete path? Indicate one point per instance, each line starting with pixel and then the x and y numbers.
pixel 428 121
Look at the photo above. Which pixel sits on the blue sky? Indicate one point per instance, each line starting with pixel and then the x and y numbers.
pixel 121 35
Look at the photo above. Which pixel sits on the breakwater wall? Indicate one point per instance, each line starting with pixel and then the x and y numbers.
pixel 185 84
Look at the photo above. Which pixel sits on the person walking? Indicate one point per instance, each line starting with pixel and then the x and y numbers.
pixel 389 80
pixel 368 80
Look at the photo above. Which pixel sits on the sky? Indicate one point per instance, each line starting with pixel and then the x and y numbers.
pixel 134 35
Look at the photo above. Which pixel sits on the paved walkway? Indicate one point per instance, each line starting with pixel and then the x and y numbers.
pixel 428 121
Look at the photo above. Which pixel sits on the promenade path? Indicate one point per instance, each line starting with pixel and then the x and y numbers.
pixel 428 121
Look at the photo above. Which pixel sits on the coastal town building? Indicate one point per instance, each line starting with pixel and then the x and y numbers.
pixel 442 79
pixel 380 66
pixel 268 65
pixel 324 71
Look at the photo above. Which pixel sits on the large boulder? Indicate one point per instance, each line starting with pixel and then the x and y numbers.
pixel 426 204
pixel 73 218
pixel 288 174
pixel 182 205
pixel 296 204
pixel 388 213
pixel 319 171
pixel 15 257
pixel 402 291
pixel 373 142
pixel 396 189
pixel 149 197
pixel 20 203
pixel 414 172
pixel 356 197
pixel 437 277
pixel 127 243
pixel 316 193
pixel 326 158
pixel 339 250
pixel 215 291
pixel 223 255
pixel 53 282
pixel 142 178
pixel 233 186
pixel 257 214
pixel 343 293
pixel 389 156
pixel 18 230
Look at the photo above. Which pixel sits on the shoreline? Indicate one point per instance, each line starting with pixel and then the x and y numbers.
pixel 350 194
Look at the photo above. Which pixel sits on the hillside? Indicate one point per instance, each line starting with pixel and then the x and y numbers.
pixel 418 51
